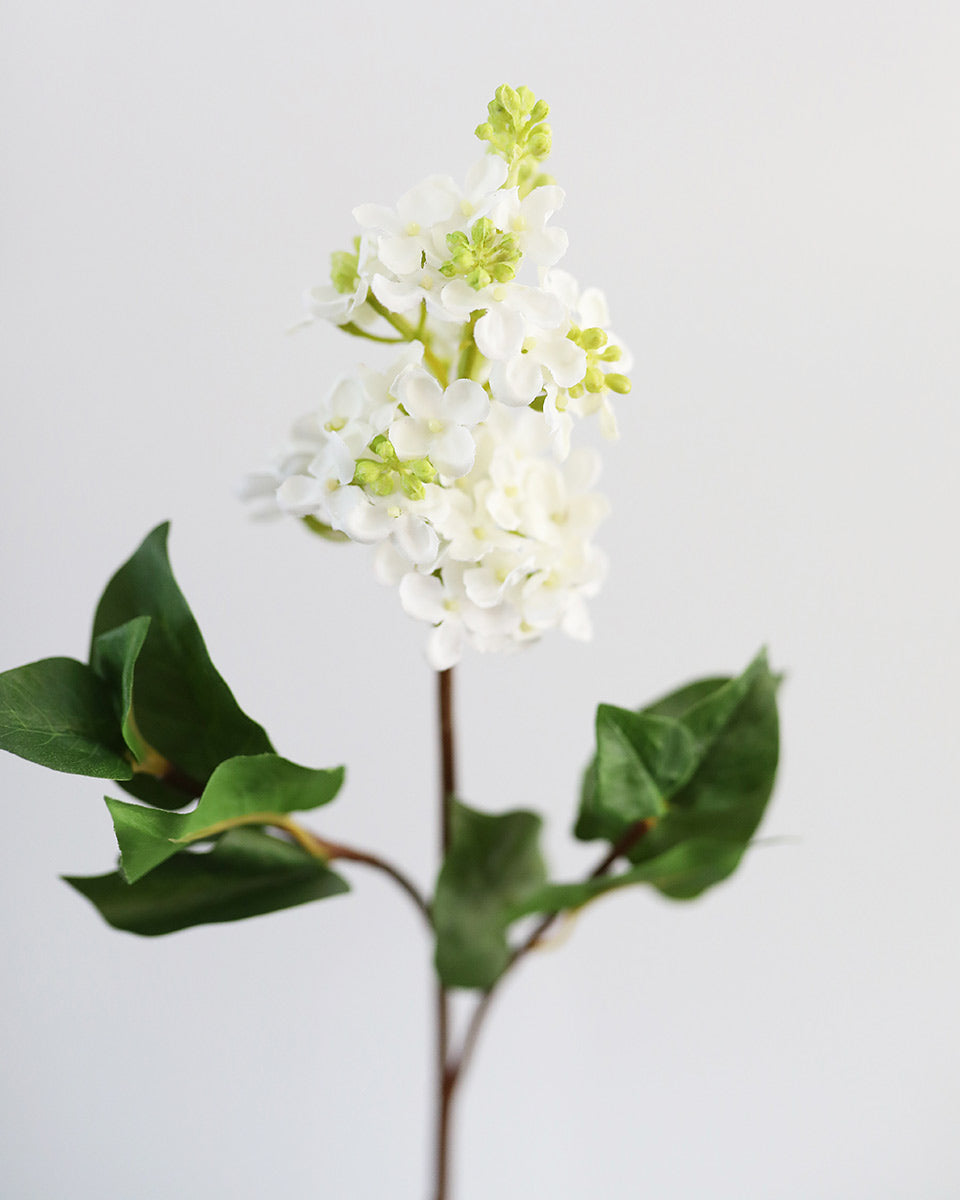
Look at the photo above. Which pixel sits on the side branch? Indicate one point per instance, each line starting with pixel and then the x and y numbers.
pixel 333 850
pixel 621 847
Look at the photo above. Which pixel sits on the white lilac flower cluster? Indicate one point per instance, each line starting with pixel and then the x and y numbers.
pixel 455 460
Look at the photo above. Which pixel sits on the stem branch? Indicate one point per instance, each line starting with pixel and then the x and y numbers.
pixel 619 848
pixel 333 850
pixel 446 1072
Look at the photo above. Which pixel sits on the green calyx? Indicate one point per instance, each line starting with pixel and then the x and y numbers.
pixel 345 269
pixel 593 342
pixel 488 255
pixel 385 476
pixel 516 130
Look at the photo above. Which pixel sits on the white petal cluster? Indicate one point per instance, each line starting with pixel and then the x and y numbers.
pixel 456 460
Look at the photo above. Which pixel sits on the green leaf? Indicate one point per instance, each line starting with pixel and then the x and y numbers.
pixel 184 709
pixel 493 863
pixel 687 868
pixel 714 763
pixel 247 873
pixel 113 657
pixel 60 714
pixel 241 790
pixel 640 760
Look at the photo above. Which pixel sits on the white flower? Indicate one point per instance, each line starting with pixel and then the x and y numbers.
pixel 438 421
pixel 508 310
pixel 402 235
pixel 372 519
pixel 444 604
pixel 527 220
pixel 519 380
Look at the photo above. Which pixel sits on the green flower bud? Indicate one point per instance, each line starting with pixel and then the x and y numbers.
pixel 421 468
pixel 345 268
pixel 383 486
pixel 593 339
pixel 382 445
pixel 367 472
pixel 488 254
pixel 516 131
pixel 594 380
pixel 619 383
pixel 412 487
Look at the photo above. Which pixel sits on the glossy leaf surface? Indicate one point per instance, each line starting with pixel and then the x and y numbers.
pixel 246 874
pixel 241 789
pixel 60 714
pixel 184 709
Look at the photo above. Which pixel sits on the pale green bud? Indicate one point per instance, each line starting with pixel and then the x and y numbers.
pixel 527 98
pixel 619 383
pixel 344 269
pixel 594 379
pixel 540 143
pixel 384 485
pixel 515 130
pixel 412 487
pixel 367 472
pixel 488 254
pixel 421 468
pixel 510 101
pixel 593 339
pixel 382 445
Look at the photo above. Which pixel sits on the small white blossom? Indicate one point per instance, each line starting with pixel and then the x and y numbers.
pixel 437 423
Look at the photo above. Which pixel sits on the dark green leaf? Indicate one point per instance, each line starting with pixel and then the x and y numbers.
pixel 239 789
pixel 113 657
pixel 640 760
pixel 184 709
pixel 246 873
pixel 714 771
pixel 493 863
pixel 59 713
pixel 686 869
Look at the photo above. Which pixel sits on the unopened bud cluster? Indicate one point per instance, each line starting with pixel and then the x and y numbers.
pixel 455 459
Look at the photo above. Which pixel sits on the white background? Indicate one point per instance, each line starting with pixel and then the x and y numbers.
pixel 768 193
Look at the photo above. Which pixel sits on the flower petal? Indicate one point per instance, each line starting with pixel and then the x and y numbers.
pixel 410 438
pixel 422 597
pixel 453 451
pixel 431 201
pixel 566 360
pixel 499 333
pixel 378 217
pixel 593 309
pixel 445 645
pixel 397 296
pixel 518 381
pixel 416 539
pixel 300 495
pixel 460 299
pixel 419 393
pixel 487 175
pixel 401 255
pixel 465 402
pixel 540 205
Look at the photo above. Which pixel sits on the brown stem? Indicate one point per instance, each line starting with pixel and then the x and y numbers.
pixel 622 846
pixel 333 850
pixel 446 1074
pixel 448 762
